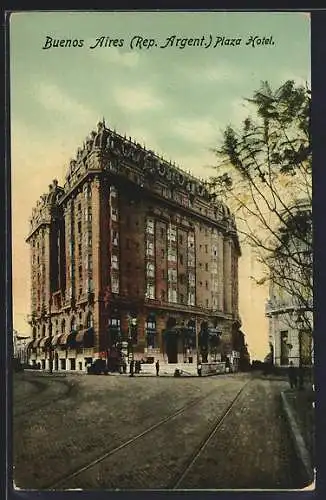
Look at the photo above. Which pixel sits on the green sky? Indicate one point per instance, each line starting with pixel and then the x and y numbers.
pixel 176 101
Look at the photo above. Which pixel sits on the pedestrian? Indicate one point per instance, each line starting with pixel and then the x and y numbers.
pixel 157 366
pixel 301 377
pixel 292 376
pixel 132 368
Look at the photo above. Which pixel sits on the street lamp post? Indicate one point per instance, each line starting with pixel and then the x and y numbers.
pixel 132 322
pixel 300 325
pixel 197 347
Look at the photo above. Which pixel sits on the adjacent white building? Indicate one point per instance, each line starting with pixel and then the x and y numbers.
pixel 289 307
pixel 20 343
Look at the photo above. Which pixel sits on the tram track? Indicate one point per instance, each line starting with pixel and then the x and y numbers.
pixel 177 481
pixel 42 387
pixel 65 480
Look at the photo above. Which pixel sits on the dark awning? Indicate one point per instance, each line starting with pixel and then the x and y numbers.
pixel 45 342
pixel 62 340
pixel 56 338
pixel 36 343
pixel 30 344
pixel 83 335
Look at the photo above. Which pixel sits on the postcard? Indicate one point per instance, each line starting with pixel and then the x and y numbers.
pixel 161 251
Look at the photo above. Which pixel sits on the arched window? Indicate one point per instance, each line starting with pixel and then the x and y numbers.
pixel 43 330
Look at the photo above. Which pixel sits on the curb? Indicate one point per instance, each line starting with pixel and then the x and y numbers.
pixel 298 441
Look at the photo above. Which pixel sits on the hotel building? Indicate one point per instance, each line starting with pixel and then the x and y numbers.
pixel 131 251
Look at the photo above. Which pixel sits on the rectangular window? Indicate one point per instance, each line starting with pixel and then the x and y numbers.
pixel 162 232
pixel 150 291
pixel 149 248
pixel 150 226
pixel 181 259
pixel 172 255
pixel 79 227
pixel 172 295
pixel 115 239
pixel 206 267
pixel 150 269
pixel 114 284
pixel 191 299
pixel 191 279
pixel 191 260
pixel 172 275
pixel 114 262
pixel 172 233
pixel 162 253
pixel 206 248
pixel 114 214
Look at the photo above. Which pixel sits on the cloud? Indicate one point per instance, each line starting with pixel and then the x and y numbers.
pixel 298 79
pixel 137 99
pixel 239 111
pixel 199 131
pixel 115 56
pixel 54 99
pixel 200 164
pixel 220 72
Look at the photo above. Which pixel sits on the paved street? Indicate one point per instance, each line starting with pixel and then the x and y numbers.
pixel 143 433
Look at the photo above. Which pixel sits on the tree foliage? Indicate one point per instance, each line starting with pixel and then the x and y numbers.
pixel 264 173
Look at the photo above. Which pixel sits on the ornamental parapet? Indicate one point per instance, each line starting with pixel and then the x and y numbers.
pixel 108 151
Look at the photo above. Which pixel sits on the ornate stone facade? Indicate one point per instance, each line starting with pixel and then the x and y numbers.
pixel 290 304
pixel 129 249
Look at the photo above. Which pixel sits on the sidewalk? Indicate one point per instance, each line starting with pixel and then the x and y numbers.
pixel 299 413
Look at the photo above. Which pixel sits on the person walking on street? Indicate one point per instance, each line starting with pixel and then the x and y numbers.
pixel 292 376
pixel 132 368
pixel 157 366
pixel 301 377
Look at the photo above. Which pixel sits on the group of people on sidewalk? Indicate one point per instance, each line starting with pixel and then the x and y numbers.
pixel 135 367
pixel 296 378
